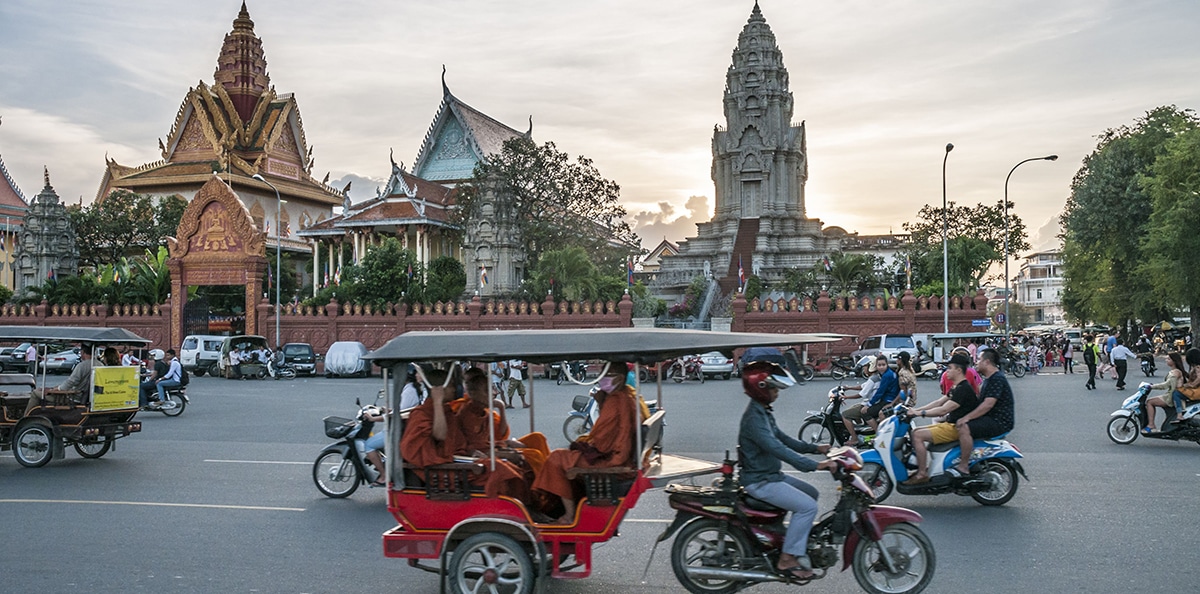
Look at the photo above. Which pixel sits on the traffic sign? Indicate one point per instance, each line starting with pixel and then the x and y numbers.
pixel 1000 319
pixel 981 323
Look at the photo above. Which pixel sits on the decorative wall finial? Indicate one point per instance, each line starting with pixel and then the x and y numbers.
pixel 445 89
pixel 46 175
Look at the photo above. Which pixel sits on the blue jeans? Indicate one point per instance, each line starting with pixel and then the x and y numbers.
pixel 143 392
pixel 162 388
pixel 796 496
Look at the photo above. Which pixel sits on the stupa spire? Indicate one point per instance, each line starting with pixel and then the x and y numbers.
pixel 242 65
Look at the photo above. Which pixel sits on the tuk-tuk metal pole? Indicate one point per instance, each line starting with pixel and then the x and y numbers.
pixel 658 382
pixel 389 390
pixel 637 417
pixel 532 403
pixel 491 427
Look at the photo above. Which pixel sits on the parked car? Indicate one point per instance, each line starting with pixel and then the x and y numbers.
pixel 301 357
pixel 200 352
pixel 344 359
pixel 62 361
pixel 13 360
pixel 888 344
pixel 714 364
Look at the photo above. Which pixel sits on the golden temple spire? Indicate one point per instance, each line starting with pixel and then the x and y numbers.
pixel 242 65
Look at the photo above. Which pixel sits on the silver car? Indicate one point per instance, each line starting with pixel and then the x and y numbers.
pixel 61 362
pixel 715 364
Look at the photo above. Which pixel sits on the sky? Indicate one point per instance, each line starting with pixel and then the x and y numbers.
pixel 635 86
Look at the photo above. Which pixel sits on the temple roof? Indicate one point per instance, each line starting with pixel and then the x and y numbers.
pixel 406 200
pixel 239 127
pixel 459 138
pixel 11 198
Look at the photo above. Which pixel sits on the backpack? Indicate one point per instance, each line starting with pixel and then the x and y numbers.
pixel 184 378
pixel 1089 353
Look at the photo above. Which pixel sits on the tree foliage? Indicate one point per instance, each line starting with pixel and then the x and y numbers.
pixel 123 223
pixel 383 276
pixel 975 241
pixel 1172 262
pixel 554 202
pixel 446 279
pixel 1108 217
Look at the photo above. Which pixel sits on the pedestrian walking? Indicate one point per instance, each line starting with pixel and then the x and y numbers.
pixel 516 382
pixel 1068 353
pixel 1090 355
pixel 1120 356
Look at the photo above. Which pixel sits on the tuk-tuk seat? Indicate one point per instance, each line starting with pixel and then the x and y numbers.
pixel 448 482
pixel 17 379
pixel 605 486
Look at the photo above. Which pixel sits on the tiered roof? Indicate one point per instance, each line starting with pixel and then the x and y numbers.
pixel 405 200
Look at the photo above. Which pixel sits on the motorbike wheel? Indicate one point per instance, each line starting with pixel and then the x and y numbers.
pixel 815 432
pixel 910 551
pixel 1123 430
pixel 837 373
pixel 877 479
pixel 93 449
pixel 676 373
pixel 334 475
pixel 491 562
pixel 1019 369
pixel 708 543
pixel 573 427
pixel 32 445
pixel 808 372
pixel 177 410
pixel 1006 483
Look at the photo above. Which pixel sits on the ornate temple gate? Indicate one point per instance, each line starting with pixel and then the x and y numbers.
pixel 216 243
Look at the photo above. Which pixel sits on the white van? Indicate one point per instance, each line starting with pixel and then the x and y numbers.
pixel 200 352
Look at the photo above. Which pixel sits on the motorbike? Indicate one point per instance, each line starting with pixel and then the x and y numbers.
pixel 727 540
pixel 1014 364
pixel 837 367
pixel 173 406
pixel 1148 366
pixel 1125 424
pixel 342 466
pixel 825 426
pixel 994 465
pixel 280 370
pixel 578 370
pixel 585 411
pixel 929 369
pixel 685 368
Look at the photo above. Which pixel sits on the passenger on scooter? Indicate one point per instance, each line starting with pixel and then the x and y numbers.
pixel 961 400
pixel 907 377
pixel 992 417
pixel 1171 383
pixel 764 447
pixel 972 375
pixel 886 396
pixel 374 444
pixel 1190 390
pixel 865 390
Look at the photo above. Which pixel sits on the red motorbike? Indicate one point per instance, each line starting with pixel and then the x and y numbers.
pixel 686 368
pixel 728 540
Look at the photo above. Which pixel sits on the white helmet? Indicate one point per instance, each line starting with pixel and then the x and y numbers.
pixel 157 354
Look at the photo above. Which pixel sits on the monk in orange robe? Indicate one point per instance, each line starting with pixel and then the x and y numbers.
pixel 427 439
pixel 471 415
pixel 610 443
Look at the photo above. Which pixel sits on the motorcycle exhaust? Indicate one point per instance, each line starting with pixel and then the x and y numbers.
pixel 717 573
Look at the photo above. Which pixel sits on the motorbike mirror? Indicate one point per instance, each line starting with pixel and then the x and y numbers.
pixel 357 403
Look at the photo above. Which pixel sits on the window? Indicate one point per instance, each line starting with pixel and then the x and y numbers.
pixel 899 342
pixel 189 344
pixel 1039 294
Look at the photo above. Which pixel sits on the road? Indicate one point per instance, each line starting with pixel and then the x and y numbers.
pixel 221 499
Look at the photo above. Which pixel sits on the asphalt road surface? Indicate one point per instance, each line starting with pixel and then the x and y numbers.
pixel 221 499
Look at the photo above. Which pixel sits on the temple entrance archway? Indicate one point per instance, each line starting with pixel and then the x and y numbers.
pixel 216 243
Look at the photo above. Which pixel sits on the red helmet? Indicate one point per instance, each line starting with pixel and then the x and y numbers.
pixel 759 376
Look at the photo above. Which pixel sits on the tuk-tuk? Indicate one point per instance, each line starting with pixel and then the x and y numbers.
pixel 442 517
pixel 942 344
pixel 251 369
pixel 90 420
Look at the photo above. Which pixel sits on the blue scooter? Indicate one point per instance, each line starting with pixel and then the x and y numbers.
pixel 994 465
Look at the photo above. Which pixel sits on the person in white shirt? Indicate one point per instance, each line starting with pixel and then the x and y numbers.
pixel 516 382
pixel 127 358
pixel 1120 357
pixel 235 362
pixel 171 379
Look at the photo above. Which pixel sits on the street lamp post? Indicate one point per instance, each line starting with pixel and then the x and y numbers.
pixel 278 250
pixel 945 253
pixel 1007 296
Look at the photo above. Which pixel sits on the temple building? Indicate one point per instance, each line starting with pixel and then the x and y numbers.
pixel 416 206
pixel 47 246
pixel 239 127
pixel 13 208
pixel 759 168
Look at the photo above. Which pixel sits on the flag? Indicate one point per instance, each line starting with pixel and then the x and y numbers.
pixel 116 275
pixel 483 275
pixel 337 277
pixel 410 271
pixel 50 275
pixel 828 265
pixel 325 283
pixel 907 271
pixel 4 242
pixel 629 271
pixel 741 273
pixel 270 278
pixel 267 227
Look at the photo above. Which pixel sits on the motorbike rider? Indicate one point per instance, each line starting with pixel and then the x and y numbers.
pixel 961 400
pixel 374 445
pixel 864 390
pixel 1190 390
pixel 1171 383
pixel 150 386
pixel 763 449
pixel 886 395
pixel 993 415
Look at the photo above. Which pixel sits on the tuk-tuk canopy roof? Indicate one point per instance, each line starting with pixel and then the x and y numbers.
pixel 630 345
pixel 955 335
pixel 70 334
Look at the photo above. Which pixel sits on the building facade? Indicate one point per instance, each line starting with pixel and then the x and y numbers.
pixel 13 208
pixel 47 248
pixel 1039 286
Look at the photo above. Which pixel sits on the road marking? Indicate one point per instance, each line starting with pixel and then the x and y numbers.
pixel 259 462
pixel 157 504
pixel 648 521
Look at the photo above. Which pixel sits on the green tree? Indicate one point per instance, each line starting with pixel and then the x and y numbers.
pixel 1172 262
pixel 123 223
pixel 801 282
pixel 382 276
pixel 853 273
pixel 446 280
pixel 554 202
pixel 568 274
pixel 1107 216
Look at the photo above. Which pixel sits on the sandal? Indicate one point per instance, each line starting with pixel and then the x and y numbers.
pixel 1148 430
pixel 956 473
pixel 798 573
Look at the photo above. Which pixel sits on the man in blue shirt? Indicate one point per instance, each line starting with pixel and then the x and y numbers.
pixel 170 380
pixel 886 396
pixel 763 449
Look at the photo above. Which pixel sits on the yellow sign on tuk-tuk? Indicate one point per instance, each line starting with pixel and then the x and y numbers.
pixel 114 388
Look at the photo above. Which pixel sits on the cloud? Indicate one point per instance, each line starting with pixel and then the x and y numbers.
pixel 665 221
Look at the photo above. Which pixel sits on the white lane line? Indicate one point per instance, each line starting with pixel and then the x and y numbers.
pixel 647 521
pixel 259 462
pixel 157 504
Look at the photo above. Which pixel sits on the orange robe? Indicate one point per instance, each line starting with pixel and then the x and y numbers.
pixel 470 421
pixel 418 447
pixel 612 434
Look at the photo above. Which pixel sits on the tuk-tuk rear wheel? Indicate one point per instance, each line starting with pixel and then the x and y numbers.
pixel 93 449
pixel 33 445
pixel 491 562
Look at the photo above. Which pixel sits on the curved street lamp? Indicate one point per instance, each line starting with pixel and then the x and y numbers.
pixel 278 251
pixel 1007 296
pixel 945 253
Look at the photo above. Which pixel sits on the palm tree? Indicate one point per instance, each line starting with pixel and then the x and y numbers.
pixel 569 273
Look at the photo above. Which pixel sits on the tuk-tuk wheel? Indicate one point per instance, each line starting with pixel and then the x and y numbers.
pixel 93 449
pixel 33 445
pixel 493 562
